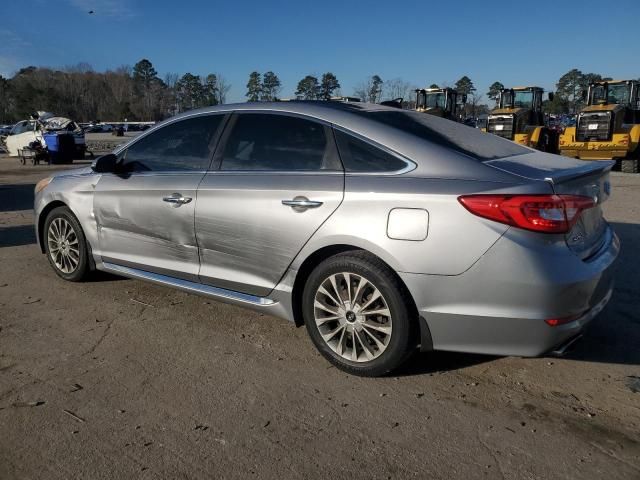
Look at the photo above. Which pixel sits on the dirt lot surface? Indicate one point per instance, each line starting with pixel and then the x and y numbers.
pixel 121 379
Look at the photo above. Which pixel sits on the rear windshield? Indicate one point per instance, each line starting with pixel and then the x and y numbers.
pixel 470 141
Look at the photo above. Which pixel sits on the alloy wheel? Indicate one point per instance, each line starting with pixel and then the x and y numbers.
pixel 63 245
pixel 352 317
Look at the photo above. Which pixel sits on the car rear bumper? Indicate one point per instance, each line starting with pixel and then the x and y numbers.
pixel 499 306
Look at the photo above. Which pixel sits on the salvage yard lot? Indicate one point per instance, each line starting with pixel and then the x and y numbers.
pixel 117 378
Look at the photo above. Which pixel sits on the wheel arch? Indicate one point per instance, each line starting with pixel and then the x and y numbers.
pixel 321 254
pixel 43 216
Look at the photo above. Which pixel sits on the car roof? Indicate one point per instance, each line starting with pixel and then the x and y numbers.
pixel 329 111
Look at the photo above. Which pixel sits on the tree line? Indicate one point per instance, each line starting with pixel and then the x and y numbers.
pixel 136 93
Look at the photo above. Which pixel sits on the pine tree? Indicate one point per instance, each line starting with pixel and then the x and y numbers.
pixel 308 88
pixel 270 87
pixel 375 89
pixel 189 92
pixel 494 91
pixel 254 87
pixel 465 86
pixel 211 90
pixel 328 85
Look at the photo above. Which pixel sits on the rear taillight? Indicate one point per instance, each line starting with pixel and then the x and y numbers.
pixel 539 213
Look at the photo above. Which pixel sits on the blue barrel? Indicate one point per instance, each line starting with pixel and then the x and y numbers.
pixel 61 147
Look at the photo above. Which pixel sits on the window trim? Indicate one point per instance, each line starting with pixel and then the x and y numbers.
pixel 410 164
pixel 207 165
pixel 216 164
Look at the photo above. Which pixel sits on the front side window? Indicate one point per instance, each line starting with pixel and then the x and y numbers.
pixel 180 146
pixel 278 142
pixel 360 156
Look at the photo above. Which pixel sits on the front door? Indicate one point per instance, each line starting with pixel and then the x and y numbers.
pixel 145 211
pixel 278 179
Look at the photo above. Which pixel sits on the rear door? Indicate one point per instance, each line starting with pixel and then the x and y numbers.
pixel 277 179
pixel 145 213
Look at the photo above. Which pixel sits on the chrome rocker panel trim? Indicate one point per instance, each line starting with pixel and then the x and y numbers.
pixel 187 286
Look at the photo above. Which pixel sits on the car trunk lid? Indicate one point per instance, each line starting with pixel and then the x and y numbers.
pixel 569 176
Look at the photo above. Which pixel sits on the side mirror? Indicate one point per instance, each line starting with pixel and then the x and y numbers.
pixel 105 163
pixel 551 96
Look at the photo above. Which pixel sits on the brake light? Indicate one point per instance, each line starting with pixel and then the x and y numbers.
pixel 538 213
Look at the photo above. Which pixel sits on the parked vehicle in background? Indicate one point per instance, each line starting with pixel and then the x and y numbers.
pixel 382 230
pixel 519 117
pixel 608 128
pixel 441 102
pixel 21 135
pixel 49 131
pixel 481 122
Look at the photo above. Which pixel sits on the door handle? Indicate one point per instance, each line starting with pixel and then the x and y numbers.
pixel 177 199
pixel 300 204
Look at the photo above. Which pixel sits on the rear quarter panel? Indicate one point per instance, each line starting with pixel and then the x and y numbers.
pixel 455 240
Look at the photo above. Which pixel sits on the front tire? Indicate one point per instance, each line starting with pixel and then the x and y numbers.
pixel 66 245
pixel 359 315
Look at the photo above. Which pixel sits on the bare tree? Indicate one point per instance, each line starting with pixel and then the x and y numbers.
pixel 223 88
pixel 397 88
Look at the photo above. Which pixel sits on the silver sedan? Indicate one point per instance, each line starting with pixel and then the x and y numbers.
pixel 383 231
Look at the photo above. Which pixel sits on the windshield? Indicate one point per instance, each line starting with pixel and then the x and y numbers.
pixel 616 93
pixel 517 99
pixel 435 100
pixel 523 99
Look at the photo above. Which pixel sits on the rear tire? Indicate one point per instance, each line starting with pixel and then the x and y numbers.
pixel 66 245
pixel 630 165
pixel 359 315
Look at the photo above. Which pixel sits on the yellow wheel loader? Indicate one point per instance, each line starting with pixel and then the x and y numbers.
pixel 519 117
pixel 441 102
pixel 608 128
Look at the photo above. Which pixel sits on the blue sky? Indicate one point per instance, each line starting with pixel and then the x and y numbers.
pixel 422 44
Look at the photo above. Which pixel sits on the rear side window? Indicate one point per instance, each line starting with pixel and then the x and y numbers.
pixel 360 156
pixel 180 146
pixel 278 142
pixel 469 141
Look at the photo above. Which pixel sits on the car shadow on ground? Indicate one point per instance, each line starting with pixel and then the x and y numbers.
pixel 15 236
pixel 16 197
pixel 440 362
pixel 614 337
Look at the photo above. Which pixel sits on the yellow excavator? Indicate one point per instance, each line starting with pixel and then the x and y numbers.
pixel 608 127
pixel 518 117
pixel 441 102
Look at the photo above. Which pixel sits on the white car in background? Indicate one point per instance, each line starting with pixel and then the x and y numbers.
pixel 21 135
pixel 25 132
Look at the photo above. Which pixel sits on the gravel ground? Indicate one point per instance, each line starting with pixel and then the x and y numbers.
pixel 117 378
